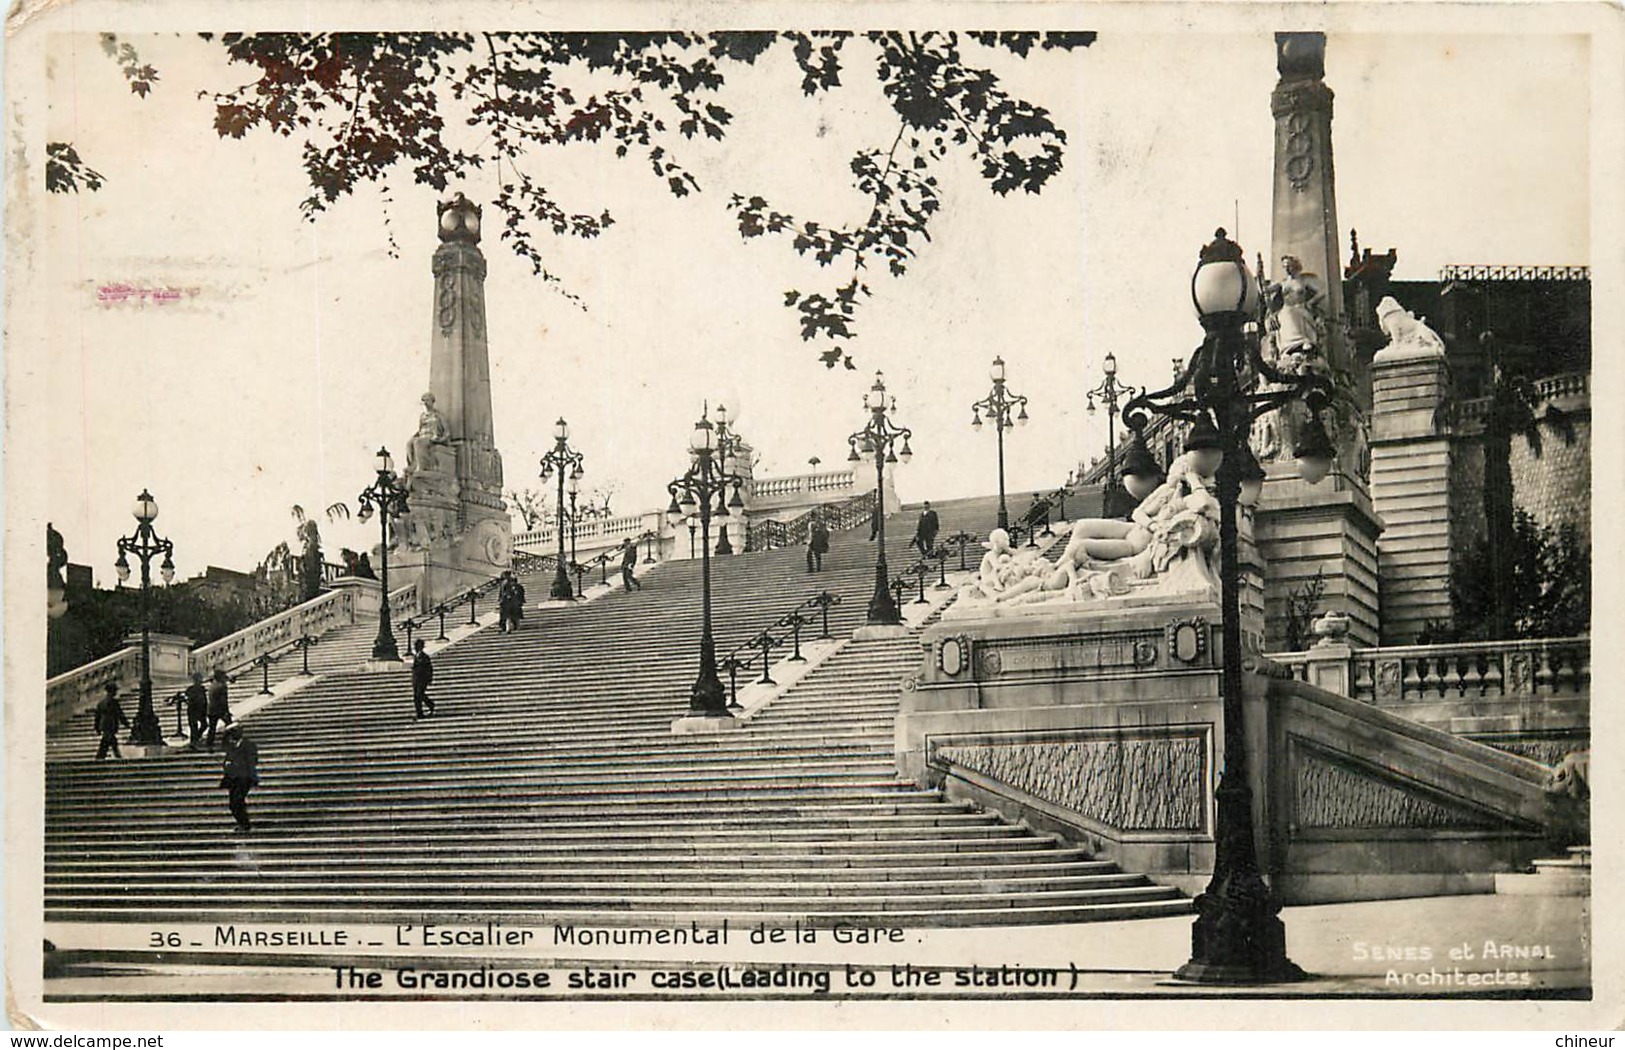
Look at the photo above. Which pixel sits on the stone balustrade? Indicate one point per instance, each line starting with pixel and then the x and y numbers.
pixel 316 617
pixel 80 689
pixel 799 486
pixel 594 535
pixel 1566 391
pixel 1535 668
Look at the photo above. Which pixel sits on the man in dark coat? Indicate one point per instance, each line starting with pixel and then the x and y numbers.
pixel 109 720
pixel 925 533
pixel 629 561
pixel 197 709
pixel 510 602
pixel 817 544
pixel 242 772
pixel 422 675
pixel 219 704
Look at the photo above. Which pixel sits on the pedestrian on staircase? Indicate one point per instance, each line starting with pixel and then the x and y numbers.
pixel 629 561
pixel 110 719
pixel 197 709
pixel 925 533
pixel 219 704
pixel 242 772
pixel 422 675
pixel 817 543
pixel 510 602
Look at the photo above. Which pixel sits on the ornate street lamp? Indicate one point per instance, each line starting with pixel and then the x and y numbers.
pixel 1110 391
pixel 1238 937
pixel 692 494
pixel 728 453
pixel 386 496
pixel 565 462
pixel 693 528
pixel 145 544
pixel 878 438
pixel 998 405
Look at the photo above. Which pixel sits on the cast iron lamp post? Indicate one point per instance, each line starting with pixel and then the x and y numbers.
pixel 145 544
pixel 728 452
pixel 878 438
pixel 386 496
pixel 998 405
pixel 693 527
pixel 565 462
pixel 1238 937
pixel 705 480
pixel 1110 391
pixel 572 488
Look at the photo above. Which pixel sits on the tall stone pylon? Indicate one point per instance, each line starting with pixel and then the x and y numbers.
pixel 1304 216
pixel 457 532
pixel 1313 538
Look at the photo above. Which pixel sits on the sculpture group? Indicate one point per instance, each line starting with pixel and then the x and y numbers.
pixel 1167 548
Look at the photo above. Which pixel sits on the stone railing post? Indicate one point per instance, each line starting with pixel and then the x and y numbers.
pixel 1329 663
pixel 363 597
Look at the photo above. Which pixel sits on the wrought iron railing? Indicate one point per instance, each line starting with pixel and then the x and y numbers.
pixel 1459 272
pixel 768 534
pixel 785 630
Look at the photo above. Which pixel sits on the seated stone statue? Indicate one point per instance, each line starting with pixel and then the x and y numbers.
pixel 1168 548
pixel 421 451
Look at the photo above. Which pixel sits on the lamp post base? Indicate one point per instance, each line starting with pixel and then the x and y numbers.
pixel 882 607
pixel 145 731
pixel 384 648
pixel 562 589
pixel 709 699
pixel 1237 937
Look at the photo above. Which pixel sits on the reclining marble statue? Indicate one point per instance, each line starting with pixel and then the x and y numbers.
pixel 1168 548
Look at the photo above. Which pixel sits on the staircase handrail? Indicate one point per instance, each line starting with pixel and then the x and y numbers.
pixel 766 640
pixel 770 533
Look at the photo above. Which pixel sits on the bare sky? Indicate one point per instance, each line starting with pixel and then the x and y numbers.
pixel 305 346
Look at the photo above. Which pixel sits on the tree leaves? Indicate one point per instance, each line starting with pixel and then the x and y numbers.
pixel 66 173
pixel 140 75
pixel 368 105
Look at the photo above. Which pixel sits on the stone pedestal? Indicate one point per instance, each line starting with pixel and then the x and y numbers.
pixel 364 596
pixel 1330 528
pixel 706 724
pixel 169 662
pixel 1099 722
pixel 1410 489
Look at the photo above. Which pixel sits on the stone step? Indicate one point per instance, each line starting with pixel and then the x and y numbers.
pixel 989 914
pixel 549 898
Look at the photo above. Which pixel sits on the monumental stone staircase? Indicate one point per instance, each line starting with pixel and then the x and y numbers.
pixel 549 787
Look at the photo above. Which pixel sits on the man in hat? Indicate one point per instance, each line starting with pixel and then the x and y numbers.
pixel 197 709
pixel 242 773
pixel 422 675
pixel 629 561
pixel 219 704
pixel 109 720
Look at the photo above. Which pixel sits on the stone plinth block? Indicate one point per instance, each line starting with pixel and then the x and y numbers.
pixel 706 724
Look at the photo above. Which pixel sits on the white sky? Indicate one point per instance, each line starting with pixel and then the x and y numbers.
pixel 306 346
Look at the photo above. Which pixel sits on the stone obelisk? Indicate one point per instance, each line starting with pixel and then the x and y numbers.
pixel 457 532
pixel 1327 531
